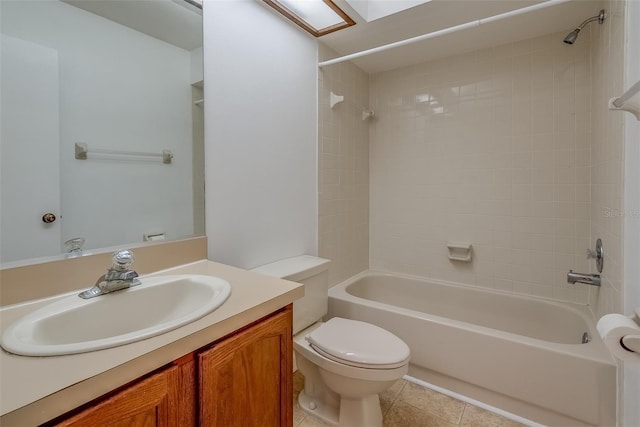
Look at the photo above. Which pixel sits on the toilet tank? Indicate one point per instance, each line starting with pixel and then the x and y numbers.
pixel 313 273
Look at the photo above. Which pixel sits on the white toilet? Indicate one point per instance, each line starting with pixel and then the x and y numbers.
pixel 345 363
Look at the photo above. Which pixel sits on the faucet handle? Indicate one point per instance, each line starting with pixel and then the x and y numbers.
pixel 122 259
pixel 597 254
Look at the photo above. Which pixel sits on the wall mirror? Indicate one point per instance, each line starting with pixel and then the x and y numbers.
pixel 122 79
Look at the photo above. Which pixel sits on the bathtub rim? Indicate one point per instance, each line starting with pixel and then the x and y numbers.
pixel 594 350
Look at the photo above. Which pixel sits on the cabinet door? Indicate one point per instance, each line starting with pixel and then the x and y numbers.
pixel 154 401
pixel 246 379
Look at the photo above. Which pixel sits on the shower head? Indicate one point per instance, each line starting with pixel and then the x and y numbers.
pixel 573 35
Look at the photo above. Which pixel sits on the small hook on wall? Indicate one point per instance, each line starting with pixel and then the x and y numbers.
pixel 366 114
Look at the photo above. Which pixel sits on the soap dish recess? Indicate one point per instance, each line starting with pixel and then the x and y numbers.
pixel 459 251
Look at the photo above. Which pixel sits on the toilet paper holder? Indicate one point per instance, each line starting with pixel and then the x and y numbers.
pixel 621 335
pixel 631 343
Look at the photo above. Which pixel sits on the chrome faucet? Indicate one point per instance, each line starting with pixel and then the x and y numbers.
pixel 117 277
pixel 588 279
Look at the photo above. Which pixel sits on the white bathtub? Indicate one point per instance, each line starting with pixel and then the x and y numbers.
pixel 524 355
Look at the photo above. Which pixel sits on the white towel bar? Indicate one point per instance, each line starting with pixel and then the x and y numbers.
pixel 82 151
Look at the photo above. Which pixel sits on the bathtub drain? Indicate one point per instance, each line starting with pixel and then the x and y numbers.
pixel 585 338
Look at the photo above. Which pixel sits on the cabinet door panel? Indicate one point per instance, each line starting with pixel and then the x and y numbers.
pixel 148 403
pixel 143 419
pixel 245 380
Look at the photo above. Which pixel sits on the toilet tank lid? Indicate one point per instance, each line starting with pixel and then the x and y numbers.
pixel 295 268
pixel 359 343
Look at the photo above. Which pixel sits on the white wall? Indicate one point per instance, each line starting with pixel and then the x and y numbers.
pixel 109 98
pixel 631 289
pixel 261 135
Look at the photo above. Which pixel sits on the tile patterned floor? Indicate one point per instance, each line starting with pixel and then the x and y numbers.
pixel 407 404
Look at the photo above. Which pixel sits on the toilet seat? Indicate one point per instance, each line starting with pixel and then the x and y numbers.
pixel 358 344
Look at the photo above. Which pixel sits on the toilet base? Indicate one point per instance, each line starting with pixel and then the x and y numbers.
pixel 317 408
pixel 363 412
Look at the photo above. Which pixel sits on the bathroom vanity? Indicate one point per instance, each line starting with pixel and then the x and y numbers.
pixel 232 367
pixel 240 380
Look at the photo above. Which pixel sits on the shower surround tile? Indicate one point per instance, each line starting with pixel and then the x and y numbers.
pixel 607 158
pixel 493 148
pixel 343 169
pixel 511 148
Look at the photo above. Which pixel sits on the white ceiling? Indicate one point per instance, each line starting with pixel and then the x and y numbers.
pixel 440 14
pixel 173 21
pixel 179 23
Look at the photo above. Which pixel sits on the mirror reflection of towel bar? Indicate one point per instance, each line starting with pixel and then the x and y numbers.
pixel 82 150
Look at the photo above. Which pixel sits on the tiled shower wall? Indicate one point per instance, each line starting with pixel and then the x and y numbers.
pixel 607 171
pixel 343 165
pixel 491 148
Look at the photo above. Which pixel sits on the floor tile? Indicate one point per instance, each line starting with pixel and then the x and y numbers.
pixel 390 395
pixel 478 417
pixel 406 404
pixel 298 415
pixel 432 402
pixel 311 421
pixel 403 414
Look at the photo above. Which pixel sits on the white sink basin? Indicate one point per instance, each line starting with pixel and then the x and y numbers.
pixel 75 325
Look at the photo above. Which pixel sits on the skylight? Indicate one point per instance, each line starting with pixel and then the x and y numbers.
pixel 318 17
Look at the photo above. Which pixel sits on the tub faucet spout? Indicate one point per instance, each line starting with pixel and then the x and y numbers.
pixel 587 279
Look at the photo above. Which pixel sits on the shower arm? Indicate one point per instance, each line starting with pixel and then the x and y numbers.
pixel 599 17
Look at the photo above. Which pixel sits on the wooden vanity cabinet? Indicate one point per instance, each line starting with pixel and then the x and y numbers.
pixel 164 399
pixel 244 379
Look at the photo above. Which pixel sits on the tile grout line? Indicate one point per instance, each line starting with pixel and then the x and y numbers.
pixel 395 399
pixel 464 409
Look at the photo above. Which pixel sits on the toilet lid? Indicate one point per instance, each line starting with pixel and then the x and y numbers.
pixel 359 344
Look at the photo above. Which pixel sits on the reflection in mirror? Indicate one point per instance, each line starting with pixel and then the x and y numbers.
pixel 123 77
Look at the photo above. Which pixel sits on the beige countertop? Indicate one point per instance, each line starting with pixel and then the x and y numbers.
pixel 36 389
